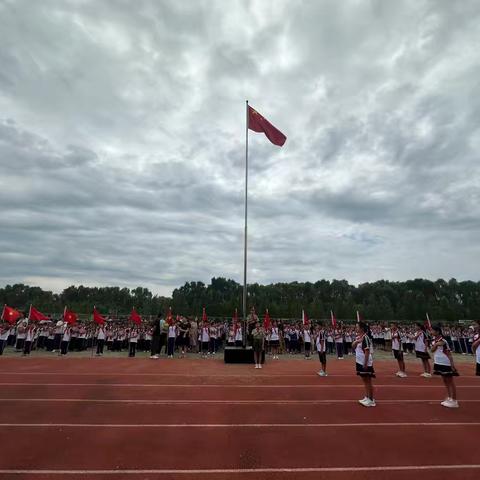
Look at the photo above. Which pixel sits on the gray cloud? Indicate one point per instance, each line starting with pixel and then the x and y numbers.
pixel 122 140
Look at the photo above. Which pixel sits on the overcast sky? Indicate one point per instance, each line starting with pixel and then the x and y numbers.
pixel 122 141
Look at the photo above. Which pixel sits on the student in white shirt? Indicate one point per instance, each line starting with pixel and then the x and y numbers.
pixel 275 340
pixel 205 339
pixel 321 344
pixel 29 337
pixel 101 335
pixel 476 347
pixel 4 333
pixel 238 335
pixel 132 342
pixel 307 342
pixel 65 340
pixel 443 365
pixel 397 350
pixel 213 340
pixel 364 362
pixel 421 349
pixel 172 335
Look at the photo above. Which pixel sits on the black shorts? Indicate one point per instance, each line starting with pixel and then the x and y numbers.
pixel 274 343
pixel 422 355
pixel 205 346
pixel 322 356
pixel 477 372
pixel 444 370
pixel 307 345
pixel 398 354
pixel 365 372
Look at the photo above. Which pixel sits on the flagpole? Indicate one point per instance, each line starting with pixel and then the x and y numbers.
pixel 245 234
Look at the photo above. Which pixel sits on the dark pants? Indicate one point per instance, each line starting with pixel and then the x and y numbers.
pixel 330 348
pixel 57 339
pixel 171 346
pixel 11 340
pixel 20 344
pixel 41 342
pixel 155 346
pixel 27 348
pixel 100 345
pixel 64 347
pixel 162 342
pixel 3 343
pixel 132 348
pixel 213 345
pixel 49 344
pixel 339 349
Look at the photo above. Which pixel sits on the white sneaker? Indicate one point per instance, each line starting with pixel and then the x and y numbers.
pixel 450 403
pixel 154 356
pixel 398 374
pixel 256 366
pixel 371 403
pixel 321 373
pixel 402 375
pixel 260 366
pixel 364 401
pixel 426 375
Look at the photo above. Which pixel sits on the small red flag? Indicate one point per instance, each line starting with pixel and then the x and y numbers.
pixel 69 316
pixel 170 317
pixel 334 320
pixel 259 124
pixel 135 317
pixel 35 315
pixel 266 321
pixel 305 319
pixel 204 316
pixel 10 315
pixel 97 318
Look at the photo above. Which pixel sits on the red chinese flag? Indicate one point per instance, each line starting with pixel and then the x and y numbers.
pixel 97 318
pixel 135 317
pixel 305 320
pixel 36 316
pixel 334 320
pixel 170 317
pixel 70 317
pixel 10 315
pixel 259 124
pixel 204 316
pixel 266 321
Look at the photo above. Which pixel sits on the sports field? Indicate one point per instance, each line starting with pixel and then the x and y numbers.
pixel 95 418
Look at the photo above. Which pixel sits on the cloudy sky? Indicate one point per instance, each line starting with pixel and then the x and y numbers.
pixel 122 140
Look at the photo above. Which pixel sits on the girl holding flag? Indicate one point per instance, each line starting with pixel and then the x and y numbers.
pixel 421 349
pixel 364 362
pixel 275 340
pixel 321 344
pixel 258 336
pixel 443 365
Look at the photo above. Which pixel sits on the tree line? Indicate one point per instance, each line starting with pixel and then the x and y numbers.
pixel 377 301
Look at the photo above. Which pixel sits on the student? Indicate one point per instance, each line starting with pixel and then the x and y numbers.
pixel 321 344
pixel 476 347
pixel 338 335
pixel 258 336
pixel 21 334
pixel 4 333
pixel 443 365
pixel 397 350
pixel 29 336
pixel 231 336
pixel 421 350
pixel 238 335
pixel 65 340
pixel 307 342
pixel 205 340
pixel 132 342
pixel 213 340
pixel 364 362
pixel 275 340
pixel 101 335
pixel 172 335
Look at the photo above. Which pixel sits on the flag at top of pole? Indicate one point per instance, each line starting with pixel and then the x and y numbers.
pixel 266 320
pixel 260 124
pixel 10 315
pixel 305 320
pixel 204 316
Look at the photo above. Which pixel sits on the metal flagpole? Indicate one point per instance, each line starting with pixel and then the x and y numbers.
pixel 245 235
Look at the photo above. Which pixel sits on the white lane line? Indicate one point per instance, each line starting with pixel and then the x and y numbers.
pixel 217 402
pixel 176 385
pixel 388 468
pixel 238 425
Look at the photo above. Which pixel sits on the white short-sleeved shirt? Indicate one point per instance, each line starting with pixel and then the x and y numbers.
pixel 172 331
pixel 360 351
pixel 477 353
pixel 396 342
pixel 320 342
pixel 420 343
pixel 439 355
pixel 306 336
pixel 274 335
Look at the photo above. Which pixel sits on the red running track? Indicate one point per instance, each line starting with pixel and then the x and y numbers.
pixel 198 419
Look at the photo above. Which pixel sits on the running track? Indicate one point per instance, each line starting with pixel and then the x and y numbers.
pixel 72 418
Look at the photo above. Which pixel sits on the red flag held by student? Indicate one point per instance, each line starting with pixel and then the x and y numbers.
pixel 10 315
pixel 97 318
pixel 204 316
pixel 334 320
pixel 305 319
pixel 266 322
pixel 135 317
pixel 259 124
pixel 36 316
pixel 170 317
pixel 69 316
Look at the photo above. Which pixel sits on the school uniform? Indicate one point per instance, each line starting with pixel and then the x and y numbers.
pixel 57 339
pixel 238 337
pixel 101 335
pixel 420 347
pixel 132 343
pixel 50 339
pixel 274 337
pixel 213 340
pixel 397 346
pixel 320 343
pixel 4 333
pixel 21 334
pixel 65 341
pixel 307 342
pixel 339 343
pixel 206 339
pixel 364 344
pixel 29 337
pixel 441 363
pixel 12 336
pixel 172 334
pixel 231 338
pixel 477 354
